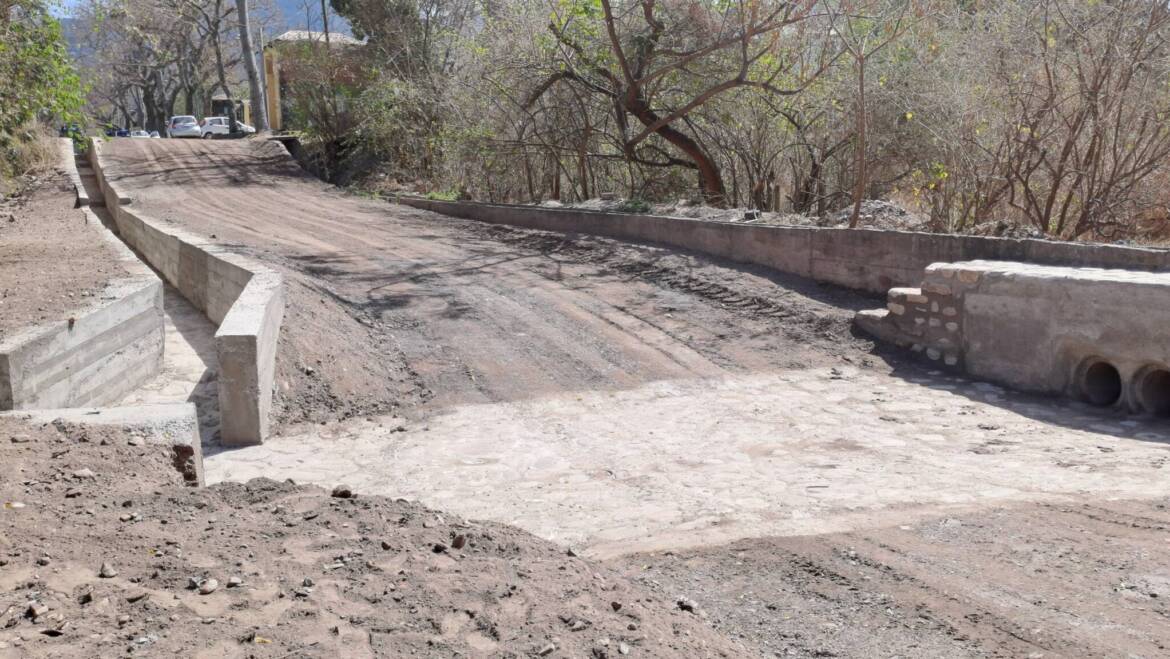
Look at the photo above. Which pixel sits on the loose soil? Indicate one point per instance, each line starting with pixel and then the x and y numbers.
pixel 319 576
pixel 51 261
pixel 398 310
pixel 1081 580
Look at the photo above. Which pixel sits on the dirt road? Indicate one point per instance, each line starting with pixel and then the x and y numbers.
pixel 816 500
pixel 395 308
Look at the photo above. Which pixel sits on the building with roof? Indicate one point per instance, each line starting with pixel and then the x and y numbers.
pixel 292 56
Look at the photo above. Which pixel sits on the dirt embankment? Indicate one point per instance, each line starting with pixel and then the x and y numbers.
pixel 51 261
pixel 103 552
pixel 393 309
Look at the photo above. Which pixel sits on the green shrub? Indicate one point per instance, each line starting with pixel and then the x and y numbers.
pixel 634 206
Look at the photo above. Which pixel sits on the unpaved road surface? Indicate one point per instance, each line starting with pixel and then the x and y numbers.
pixel 1076 579
pixel 395 308
pixel 810 498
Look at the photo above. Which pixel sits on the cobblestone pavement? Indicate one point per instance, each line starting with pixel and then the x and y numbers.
pixel 706 462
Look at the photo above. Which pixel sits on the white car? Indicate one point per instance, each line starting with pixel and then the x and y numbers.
pixel 183 126
pixel 221 126
pixel 139 134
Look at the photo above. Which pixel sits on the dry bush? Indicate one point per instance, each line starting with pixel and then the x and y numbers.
pixel 31 151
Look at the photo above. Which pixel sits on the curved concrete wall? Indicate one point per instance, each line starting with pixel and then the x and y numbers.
pixel 865 259
pixel 102 351
pixel 242 297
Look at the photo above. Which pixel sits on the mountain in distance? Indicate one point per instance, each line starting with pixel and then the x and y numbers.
pixel 303 15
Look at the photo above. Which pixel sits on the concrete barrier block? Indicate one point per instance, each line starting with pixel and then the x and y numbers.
pixel 246 344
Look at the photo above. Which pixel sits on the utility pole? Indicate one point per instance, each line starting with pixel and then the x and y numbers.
pixel 263 73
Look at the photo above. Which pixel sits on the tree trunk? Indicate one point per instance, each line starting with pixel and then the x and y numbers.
pixel 325 23
pixel 860 184
pixel 710 179
pixel 259 112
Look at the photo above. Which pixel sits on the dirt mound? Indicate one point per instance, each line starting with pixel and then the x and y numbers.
pixel 881 214
pixel 1005 229
pixel 104 552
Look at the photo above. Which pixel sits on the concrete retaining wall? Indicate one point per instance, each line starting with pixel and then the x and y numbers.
pixel 100 352
pixel 865 259
pixel 242 297
pixel 69 164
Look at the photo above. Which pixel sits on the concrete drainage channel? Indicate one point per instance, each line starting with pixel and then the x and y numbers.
pixel 58 372
pixel 243 298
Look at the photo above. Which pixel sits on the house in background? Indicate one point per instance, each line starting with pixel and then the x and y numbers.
pixel 292 57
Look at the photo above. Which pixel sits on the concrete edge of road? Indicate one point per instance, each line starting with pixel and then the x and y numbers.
pixel 98 353
pixel 69 164
pixel 243 298
pixel 872 260
pixel 172 426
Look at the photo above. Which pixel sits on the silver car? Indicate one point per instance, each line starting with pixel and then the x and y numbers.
pixel 183 126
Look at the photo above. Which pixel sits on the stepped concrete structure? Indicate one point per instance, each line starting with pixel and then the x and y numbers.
pixel 1094 334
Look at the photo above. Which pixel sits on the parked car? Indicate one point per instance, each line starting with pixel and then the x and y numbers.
pixel 121 132
pixel 139 134
pixel 154 134
pixel 222 126
pixel 183 126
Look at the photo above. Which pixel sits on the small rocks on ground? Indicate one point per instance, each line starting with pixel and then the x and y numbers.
pixel 343 492
pixel 208 586
pixel 36 609
pixel 107 571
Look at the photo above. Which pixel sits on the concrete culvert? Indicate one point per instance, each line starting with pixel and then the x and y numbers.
pixel 1154 391
pixel 1101 383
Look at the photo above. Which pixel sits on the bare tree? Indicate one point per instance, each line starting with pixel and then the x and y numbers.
pixel 665 59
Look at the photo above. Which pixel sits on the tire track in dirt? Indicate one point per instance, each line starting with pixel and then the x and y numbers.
pixel 1029 580
pixel 425 311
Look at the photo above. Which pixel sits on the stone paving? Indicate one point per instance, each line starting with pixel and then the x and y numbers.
pixel 704 462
